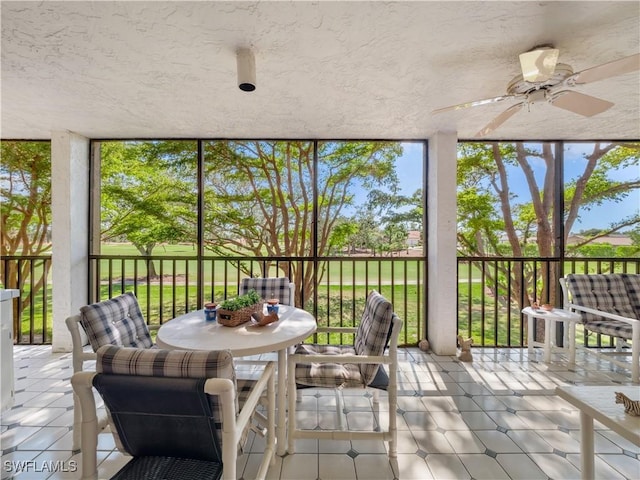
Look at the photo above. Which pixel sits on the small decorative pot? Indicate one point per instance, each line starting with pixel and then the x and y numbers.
pixel 210 311
pixel 272 305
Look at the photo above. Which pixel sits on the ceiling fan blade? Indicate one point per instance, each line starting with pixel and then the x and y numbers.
pixel 606 70
pixel 538 65
pixel 500 119
pixel 475 103
pixel 580 103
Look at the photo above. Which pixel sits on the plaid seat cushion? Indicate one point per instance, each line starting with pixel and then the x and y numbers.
pixel 328 375
pixel 117 321
pixel 613 328
pixel 373 332
pixel 601 292
pixel 268 288
pixel 115 360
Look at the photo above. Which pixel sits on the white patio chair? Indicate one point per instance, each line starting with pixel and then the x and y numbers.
pixel 177 413
pixel 117 321
pixel 347 366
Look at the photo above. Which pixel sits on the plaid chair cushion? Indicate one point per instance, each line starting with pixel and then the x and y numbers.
pixel 155 362
pixel 115 360
pixel 268 288
pixel 373 332
pixel 328 375
pixel 117 321
pixel 602 292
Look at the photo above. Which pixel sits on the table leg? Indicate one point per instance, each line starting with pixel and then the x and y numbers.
pixel 281 428
pixel 547 340
pixel 587 459
pixel 572 341
pixel 530 327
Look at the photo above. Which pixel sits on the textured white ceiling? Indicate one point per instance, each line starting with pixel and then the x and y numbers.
pixel 324 69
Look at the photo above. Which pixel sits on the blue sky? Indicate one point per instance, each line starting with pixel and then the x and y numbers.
pixel 599 216
pixel 410 172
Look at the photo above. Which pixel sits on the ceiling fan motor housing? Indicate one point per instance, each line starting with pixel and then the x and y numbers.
pixel 519 86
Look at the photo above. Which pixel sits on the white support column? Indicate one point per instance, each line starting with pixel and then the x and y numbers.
pixel 441 208
pixel 70 230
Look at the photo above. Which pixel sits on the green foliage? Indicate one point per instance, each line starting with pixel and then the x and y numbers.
pixel 341 234
pixel 606 250
pixel 241 301
pixel 25 197
pixel 491 209
pixel 148 192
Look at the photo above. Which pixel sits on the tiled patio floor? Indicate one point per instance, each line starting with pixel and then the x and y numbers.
pixel 495 418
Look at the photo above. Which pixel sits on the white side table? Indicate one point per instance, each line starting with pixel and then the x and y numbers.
pixel 550 318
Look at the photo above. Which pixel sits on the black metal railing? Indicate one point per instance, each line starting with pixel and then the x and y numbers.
pixel 333 289
pixel 31 275
pixel 493 290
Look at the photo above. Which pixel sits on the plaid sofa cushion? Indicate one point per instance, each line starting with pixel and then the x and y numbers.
pixel 117 321
pixel 268 288
pixel 373 332
pixel 601 292
pixel 116 360
pixel 613 328
pixel 632 282
pixel 328 375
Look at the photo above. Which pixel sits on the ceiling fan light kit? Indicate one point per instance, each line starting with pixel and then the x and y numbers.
pixel 544 80
pixel 538 65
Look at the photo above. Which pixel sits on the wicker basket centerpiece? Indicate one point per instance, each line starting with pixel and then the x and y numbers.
pixel 238 310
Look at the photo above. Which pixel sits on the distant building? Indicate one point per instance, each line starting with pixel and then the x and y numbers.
pixel 615 239
pixel 414 238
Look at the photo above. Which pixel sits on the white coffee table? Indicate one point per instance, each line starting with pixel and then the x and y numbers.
pixel 598 403
pixel 550 318
pixel 192 332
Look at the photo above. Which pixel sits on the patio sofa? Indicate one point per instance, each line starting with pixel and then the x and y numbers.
pixel 609 304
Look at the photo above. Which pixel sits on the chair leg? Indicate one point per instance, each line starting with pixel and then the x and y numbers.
pixel 339 410
pixel 292 400
pixel 635 354
pixel 392 391
pixel 77 424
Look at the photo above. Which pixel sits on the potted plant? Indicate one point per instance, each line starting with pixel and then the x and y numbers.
pixel 238 310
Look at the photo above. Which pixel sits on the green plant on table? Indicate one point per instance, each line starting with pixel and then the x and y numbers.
pixel 248 299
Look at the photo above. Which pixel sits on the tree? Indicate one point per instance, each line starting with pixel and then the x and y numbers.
pixel 341 236
pixel 493 220
pixel 25 213
pixel 394 238
pixel 367 235
pixel 260 197
pixel 148 193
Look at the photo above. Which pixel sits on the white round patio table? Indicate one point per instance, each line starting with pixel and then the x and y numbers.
pixel 191 332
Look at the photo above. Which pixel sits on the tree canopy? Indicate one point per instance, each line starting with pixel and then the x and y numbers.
pixel 496 218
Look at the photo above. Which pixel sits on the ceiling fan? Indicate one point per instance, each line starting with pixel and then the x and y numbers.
pixel 543 79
